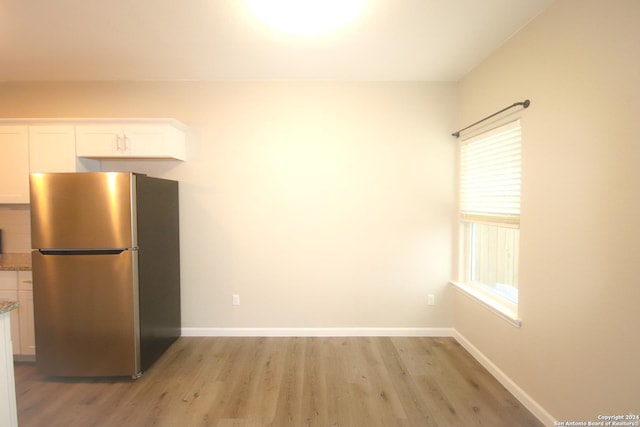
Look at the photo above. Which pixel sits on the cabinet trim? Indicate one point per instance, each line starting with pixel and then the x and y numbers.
pixel 99 121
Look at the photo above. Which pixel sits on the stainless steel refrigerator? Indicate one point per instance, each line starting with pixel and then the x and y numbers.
pixel 106 272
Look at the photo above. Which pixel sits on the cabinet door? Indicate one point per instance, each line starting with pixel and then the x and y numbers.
pixel 145 141
pixel 99 141
pixel 8 281
pixel 159 141
pixel 14 164
pixel 25 313
pixel 25 316
pixel 9 292
pixel 52 148
pixel 25 281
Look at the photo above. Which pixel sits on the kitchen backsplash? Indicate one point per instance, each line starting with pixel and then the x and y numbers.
pixel 16 228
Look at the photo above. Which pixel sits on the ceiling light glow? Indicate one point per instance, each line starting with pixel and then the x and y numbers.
pixel 306 17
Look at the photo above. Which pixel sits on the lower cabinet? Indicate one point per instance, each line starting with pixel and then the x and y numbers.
pixel 18 286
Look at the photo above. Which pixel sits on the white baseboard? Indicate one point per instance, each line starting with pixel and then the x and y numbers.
pixel 536 409
pixel 317 332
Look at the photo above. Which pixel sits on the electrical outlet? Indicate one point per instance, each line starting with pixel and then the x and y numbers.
pixel 236 299
pixel 431 299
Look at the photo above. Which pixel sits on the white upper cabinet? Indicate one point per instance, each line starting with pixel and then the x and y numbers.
pixel 52 148
pixel 26 149
pixel 139 141
pixel 78 145
pixel 14 164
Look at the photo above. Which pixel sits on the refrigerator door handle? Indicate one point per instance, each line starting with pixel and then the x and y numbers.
pixel 115 251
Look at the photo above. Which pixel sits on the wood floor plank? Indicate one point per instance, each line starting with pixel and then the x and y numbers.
pixel 338 391
pixel 289 403
pixel 382 403
pixel 413 400
pixel 263 395
pixel 427 373
pixel 314 386
pixel 297 381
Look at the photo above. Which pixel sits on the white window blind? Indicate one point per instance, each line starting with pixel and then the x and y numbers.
pixel 490 177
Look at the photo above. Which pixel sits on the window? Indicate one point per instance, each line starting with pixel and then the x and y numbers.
pixel 490 215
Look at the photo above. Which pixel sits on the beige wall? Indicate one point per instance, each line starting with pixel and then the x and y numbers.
pixel 321 204
pixel 577 352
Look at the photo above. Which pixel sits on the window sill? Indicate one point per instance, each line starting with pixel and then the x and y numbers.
pixel 494 306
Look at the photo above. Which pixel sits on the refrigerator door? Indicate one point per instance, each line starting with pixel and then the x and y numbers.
pixel 86 314
pixel 82 210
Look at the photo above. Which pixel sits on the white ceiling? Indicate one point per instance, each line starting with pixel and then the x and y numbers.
pixel 424 40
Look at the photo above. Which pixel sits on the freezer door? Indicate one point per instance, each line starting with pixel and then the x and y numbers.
pixel 86 314
pixel 82 210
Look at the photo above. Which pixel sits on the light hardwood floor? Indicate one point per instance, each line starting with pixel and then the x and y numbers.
pixel 360 382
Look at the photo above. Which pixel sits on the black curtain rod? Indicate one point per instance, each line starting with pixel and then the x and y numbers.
pixel 524 104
